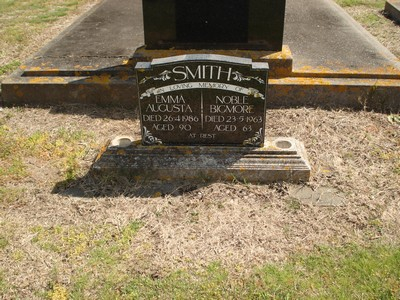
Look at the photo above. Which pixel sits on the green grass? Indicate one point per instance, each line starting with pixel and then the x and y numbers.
pixel 369 12
pixel 102 267
pixel 345 273
pixel 369 3
pixel 370 19
pixel 100 252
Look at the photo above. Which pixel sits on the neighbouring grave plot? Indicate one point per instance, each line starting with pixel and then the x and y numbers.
pixel 202 100
pixel 392 8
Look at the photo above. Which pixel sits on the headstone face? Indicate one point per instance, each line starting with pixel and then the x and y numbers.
pixel 202 100
pixel 214 24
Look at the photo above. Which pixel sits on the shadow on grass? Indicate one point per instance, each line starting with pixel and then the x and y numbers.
pixel 95 184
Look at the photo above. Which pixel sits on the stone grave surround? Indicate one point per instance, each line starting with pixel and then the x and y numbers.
pixel 203 118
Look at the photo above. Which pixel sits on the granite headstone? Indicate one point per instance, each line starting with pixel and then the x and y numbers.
pixel 211 24
pixel 202 100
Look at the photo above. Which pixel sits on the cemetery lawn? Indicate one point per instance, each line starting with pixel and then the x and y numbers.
pixel 66 233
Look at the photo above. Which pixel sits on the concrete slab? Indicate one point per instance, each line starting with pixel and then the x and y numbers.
pixel 392 8
pixel 322 196
pixel 330 60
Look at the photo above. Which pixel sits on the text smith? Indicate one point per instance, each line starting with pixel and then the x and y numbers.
pixel 210 72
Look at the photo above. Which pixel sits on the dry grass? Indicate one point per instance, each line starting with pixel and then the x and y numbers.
pixel 190 226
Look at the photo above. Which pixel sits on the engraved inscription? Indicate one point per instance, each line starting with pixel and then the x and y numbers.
pixel 206 101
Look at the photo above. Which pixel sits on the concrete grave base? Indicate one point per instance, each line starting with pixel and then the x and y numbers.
pixel 281 159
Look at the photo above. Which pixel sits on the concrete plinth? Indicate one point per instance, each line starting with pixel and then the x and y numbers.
pixel 328 60
pixel 281 159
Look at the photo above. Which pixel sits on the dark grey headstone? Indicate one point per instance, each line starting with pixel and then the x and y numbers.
pixel 214 24
pixel 202 100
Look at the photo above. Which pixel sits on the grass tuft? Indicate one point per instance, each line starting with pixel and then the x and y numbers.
pixel 344 273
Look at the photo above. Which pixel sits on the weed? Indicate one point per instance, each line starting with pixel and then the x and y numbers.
pixel 293 204
pixel 58 292
pixel 71 167
pixel 7 68
pixel 366 99
pixel 396 169
pixel 18 255
pixel 129 231
pixel 194 217
pixel 13 170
